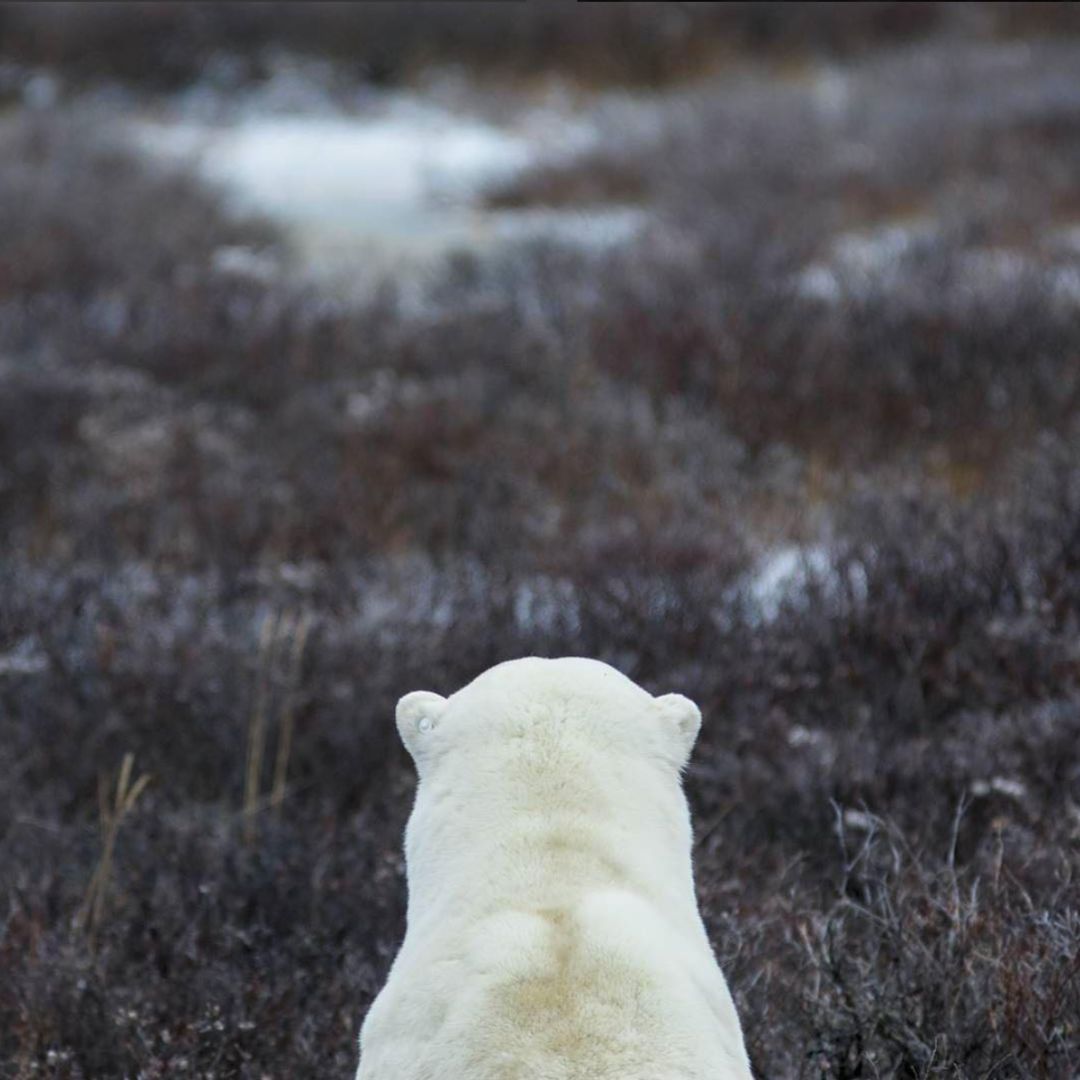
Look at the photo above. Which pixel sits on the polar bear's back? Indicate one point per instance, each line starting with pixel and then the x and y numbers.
pixel 553 930
pixel 600 990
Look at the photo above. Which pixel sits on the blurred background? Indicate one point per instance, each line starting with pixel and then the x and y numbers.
pixel 348 349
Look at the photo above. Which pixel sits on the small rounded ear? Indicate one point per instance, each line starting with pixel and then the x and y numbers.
pixel 683 718
pixel 417 717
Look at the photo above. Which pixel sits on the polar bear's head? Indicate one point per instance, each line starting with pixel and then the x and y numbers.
pixel 534 705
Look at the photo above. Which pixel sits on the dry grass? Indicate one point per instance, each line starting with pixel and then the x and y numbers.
pixel 112 813
pixel 297 635
pixel 256 742
pixel 282 639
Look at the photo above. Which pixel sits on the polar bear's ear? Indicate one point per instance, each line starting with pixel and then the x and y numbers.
pixel 683 720
pixel 417 717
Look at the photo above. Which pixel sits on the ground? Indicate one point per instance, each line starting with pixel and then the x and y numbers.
pixel 800 443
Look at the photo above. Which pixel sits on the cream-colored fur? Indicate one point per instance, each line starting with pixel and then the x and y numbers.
pixel 553 932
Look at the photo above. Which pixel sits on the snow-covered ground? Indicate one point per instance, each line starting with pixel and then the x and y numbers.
pixel 870 261
pixel 796 573
pixel 395 182
pixel 862 261
pixel 782 573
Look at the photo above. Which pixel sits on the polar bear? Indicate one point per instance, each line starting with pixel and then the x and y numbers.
pixel 552 930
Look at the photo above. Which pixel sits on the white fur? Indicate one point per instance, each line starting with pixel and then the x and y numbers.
pixel 553 931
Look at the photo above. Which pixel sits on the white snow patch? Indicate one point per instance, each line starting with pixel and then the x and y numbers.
pixel 997 266
pixel 831 91
pixel 872 251
pixel 394 183
pixel 294 163
pixel 859 820
pixel 819 282
pixel 859 260
pixel 1065 282
pixel 784 572
pixel 399 179
pixel 25 658
pixel 999 785
pixel 237 260
pixel 596 228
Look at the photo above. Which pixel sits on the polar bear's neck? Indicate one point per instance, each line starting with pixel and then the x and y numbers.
pixel 545 824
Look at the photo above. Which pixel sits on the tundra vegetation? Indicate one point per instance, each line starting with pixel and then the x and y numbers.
pixel 241 514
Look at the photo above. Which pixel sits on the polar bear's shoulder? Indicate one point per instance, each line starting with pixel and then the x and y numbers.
pixel 553 929
pixel 602 987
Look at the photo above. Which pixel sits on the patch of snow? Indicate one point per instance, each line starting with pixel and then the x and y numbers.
pixel 819 282
pixel 236 260
pixel 25 658
pixel 859 820
pixel 999 785
pixel 302 165
pixel 859 259
pixel 391 183
pixel 596 229
pixel 303 576
pixel 41 90
pixel 872 250
pixel 864 260
pixel 785 572
pixel 831 91
pixel 997 266
pixel 1065 283
pixel 400 178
